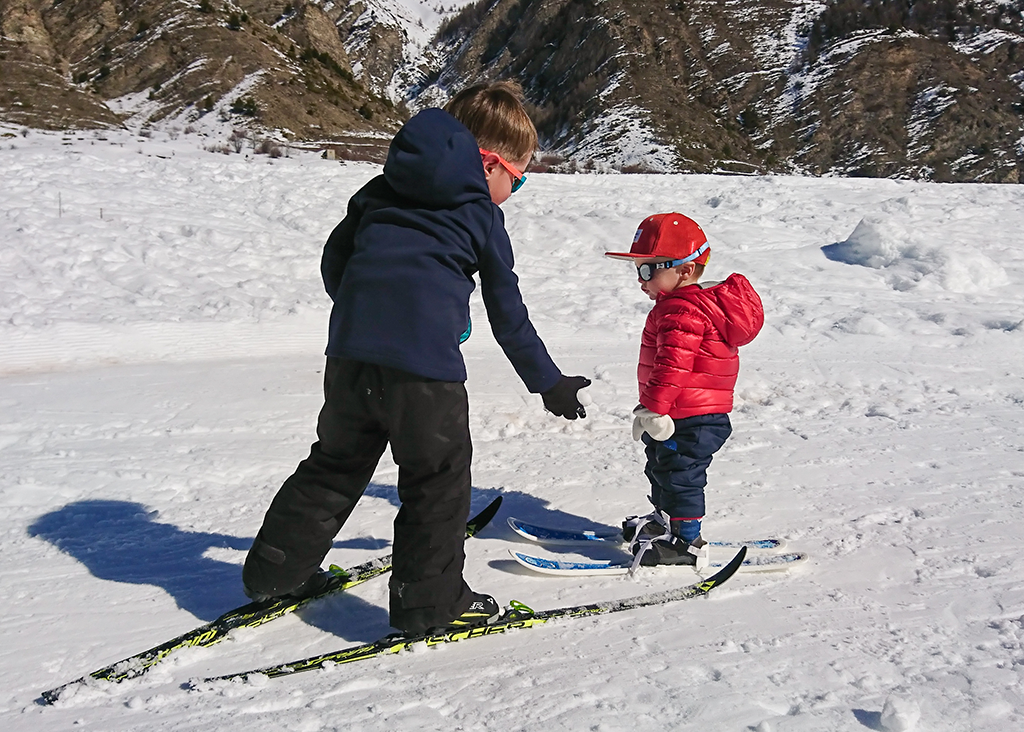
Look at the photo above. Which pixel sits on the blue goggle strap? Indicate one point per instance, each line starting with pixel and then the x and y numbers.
pixel 700 250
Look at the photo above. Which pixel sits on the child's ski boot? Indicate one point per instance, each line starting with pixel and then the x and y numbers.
pixel 653 541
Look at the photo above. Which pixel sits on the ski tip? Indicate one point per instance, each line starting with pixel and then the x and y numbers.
pixel 49 697
pixel 727 571
pixel 517 526
pixel 478 522
pixel 52 696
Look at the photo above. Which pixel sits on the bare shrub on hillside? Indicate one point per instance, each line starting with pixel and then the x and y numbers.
pixel 237 139
pixel 269 147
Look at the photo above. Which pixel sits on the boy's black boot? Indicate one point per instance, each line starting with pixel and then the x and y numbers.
pixel 481 611
pixel 313 586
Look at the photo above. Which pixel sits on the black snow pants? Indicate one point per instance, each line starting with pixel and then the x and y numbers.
pixel 367 406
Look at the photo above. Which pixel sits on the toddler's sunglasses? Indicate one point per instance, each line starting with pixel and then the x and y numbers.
pixel 646 270
pixel 517 178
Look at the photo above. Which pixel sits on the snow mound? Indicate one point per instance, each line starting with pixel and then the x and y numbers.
pixel 900 714
pixel 885 243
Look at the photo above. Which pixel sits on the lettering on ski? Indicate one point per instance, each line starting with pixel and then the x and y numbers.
pixel 518 616
pixel 251 615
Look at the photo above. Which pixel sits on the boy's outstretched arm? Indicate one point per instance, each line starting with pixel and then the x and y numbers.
pixel 510 323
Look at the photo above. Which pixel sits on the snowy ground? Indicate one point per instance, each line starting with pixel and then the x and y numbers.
pixel 161 325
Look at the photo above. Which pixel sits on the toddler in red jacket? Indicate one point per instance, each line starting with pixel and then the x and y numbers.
pixel 688 366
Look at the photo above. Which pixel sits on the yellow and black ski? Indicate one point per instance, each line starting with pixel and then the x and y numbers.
pixel 517 616
pixel 252 615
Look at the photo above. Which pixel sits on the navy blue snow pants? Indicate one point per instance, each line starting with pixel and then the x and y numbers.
pixel 677 467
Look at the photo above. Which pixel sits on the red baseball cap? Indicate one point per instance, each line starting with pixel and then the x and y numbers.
pixel 670 235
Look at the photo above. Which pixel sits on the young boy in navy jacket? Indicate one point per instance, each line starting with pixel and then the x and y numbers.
pixel 687 372
pixel 400 269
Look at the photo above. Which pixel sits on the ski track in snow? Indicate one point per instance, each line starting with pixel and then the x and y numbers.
pixel 161 376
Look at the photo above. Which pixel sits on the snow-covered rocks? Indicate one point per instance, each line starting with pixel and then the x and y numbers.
pixel 901 713
pixel 915 258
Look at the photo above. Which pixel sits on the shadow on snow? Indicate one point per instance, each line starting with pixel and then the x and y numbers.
pixel 123 541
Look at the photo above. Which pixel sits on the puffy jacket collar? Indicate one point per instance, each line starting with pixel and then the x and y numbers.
pixel 434 161
pixel 733 307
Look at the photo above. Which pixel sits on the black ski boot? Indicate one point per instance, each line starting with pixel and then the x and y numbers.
pixel 653 541
pixel 313 586
pixel 481 611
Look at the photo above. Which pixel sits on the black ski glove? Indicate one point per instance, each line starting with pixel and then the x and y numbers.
pixel 562 399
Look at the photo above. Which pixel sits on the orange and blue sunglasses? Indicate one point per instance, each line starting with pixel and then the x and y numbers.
pixel 517 178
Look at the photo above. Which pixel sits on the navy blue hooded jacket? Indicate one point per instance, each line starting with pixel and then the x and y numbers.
pixel 400 266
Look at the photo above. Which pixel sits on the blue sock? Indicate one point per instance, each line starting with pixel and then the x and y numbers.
pixel 687 529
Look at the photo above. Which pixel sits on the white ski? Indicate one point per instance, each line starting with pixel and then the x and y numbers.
pixel 613 536
pixel 563 567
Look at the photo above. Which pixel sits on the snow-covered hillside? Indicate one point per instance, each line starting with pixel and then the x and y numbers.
pixel 161 325
pixel 415 21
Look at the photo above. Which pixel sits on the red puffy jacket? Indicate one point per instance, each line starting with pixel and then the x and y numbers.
pixel 689 350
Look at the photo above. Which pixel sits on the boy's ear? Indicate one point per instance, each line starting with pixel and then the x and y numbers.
pixel 687 269
pixel 490 162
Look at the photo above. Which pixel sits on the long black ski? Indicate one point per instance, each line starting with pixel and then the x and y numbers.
pixel 518 616
pixel 252 615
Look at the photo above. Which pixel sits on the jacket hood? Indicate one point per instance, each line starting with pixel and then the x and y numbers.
pixel 434 161
pixel 733 307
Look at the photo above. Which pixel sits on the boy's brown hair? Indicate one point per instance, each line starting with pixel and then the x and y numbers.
pixel 495 114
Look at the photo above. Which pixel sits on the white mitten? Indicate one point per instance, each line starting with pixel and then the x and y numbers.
pixel 659 426
pixel 638 429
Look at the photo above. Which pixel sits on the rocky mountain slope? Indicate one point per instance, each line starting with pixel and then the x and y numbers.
pixel 274 65
pixel 924 88
pixel 929 89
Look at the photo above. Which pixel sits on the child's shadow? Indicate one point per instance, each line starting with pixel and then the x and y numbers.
pixel 123 541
